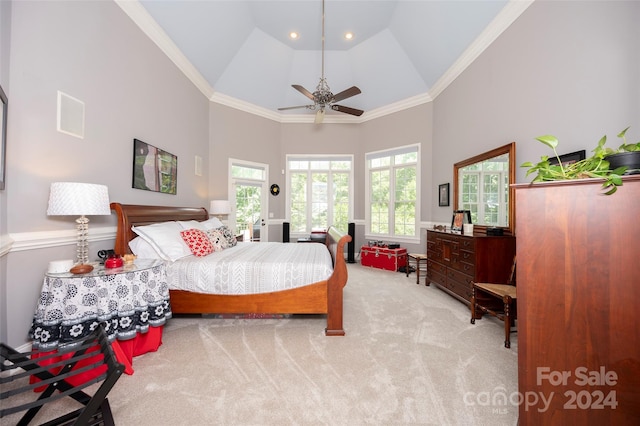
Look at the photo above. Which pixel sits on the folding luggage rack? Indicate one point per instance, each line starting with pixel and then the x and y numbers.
pixel 55 377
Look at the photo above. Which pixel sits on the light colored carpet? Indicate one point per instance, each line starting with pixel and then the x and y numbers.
pixel 410 356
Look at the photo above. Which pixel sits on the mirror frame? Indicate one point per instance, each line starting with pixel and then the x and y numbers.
pixel 3 136
pixel 506 149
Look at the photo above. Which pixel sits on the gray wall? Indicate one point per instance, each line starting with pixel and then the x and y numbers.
pixel 93 52
pixel 570 69
pixel 567 68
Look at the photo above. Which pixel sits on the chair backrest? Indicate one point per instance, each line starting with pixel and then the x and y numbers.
pixel 512 275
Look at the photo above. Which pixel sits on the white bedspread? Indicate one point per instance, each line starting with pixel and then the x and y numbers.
pixel 250 268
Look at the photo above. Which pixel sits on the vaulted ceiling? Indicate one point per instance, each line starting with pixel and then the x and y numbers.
pixel 403 52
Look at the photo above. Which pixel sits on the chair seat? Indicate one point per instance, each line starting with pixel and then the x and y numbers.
pixel 417 258
pixel 498 290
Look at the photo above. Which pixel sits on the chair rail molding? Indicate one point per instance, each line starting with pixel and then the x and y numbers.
pixel 44 239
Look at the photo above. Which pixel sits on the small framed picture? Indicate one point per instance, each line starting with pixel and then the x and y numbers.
pixel 443 194
pixel 569 158
pixel 460 217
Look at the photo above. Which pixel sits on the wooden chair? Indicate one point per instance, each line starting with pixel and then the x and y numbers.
pixel 417 259
pixel 498 300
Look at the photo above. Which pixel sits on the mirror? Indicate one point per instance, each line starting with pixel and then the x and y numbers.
pixel 482 184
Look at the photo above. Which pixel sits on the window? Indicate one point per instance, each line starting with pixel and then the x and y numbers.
pixel 484 190
pixel 393 178
pixel 320 192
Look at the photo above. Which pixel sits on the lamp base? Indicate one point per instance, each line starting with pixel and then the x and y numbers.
pixel 81 269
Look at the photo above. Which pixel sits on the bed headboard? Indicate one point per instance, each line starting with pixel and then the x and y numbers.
pixel 135 215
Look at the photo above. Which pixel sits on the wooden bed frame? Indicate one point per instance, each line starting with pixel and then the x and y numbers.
pixel 323 297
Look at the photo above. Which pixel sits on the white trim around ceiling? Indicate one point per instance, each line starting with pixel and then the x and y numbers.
pixel 150 27
pixel 500 23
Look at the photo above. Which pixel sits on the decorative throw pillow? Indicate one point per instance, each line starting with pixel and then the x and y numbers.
pixel 198 242
pixel 231 238
pixel 217 239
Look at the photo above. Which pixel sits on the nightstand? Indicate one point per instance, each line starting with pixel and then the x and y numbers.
pixel 132 301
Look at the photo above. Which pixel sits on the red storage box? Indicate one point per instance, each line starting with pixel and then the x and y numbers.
pixel 383 258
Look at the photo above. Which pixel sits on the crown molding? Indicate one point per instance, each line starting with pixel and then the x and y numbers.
pixel 138 14
pixel 150 27
pixel 500 23
pixel 44 239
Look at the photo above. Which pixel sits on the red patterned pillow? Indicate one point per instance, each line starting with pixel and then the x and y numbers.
pixel 197 241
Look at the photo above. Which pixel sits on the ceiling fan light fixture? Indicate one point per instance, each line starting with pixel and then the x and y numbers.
pixel 323 97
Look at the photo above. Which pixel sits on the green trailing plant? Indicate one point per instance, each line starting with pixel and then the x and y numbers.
pixel 595 166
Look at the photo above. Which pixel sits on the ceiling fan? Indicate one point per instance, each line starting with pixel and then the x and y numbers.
pixel 323 97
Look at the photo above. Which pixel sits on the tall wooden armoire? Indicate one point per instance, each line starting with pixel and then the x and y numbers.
pixel 578 281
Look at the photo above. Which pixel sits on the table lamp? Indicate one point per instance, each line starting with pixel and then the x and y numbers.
pixel 220 207
pixel 79 199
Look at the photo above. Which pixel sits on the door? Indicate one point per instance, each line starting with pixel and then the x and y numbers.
pixel 249 198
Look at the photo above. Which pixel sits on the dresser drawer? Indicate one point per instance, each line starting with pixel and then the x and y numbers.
pixel 436 267
pixel 467 257
pixel 459 277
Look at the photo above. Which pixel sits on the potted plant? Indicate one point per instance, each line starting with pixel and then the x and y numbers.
pixel 626 155
pixel 599 165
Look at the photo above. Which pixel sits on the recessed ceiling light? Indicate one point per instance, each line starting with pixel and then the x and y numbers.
pixel 293 35
pixel 348 36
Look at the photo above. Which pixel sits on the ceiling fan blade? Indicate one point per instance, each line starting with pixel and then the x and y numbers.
pixel 296 107
pixel 351 91
pixel 347 110
pixel 304 91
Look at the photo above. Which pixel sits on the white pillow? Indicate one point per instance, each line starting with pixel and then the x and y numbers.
pixel 165 239
pixel 143 249
pixel 212 223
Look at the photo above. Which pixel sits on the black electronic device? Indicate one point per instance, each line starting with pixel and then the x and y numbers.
pixel 495 232
pixel 351 256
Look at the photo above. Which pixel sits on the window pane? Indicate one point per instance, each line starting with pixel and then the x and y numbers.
pixel 319 165
pixel 341 165
pixel 380 198
pixel 409 157
pixel 380 162
pixel 298 202
pixel 319 200
pixel 298 165
pixel 341 201
pixel 247 172
pixel 405 197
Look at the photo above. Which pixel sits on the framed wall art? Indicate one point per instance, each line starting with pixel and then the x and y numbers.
pixel 154 169
pixel 443 194
pixel 569 158
pixel 3 136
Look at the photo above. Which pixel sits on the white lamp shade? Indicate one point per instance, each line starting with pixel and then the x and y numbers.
pixel 78 199
pixel 220 207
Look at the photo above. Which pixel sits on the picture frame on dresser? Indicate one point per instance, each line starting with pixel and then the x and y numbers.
pixel 460 217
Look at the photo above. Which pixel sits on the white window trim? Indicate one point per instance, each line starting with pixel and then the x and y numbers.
pixel 386 153
pixel 319 157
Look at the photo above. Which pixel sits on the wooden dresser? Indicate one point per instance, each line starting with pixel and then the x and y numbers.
pixel 578 281
pixel 454 260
